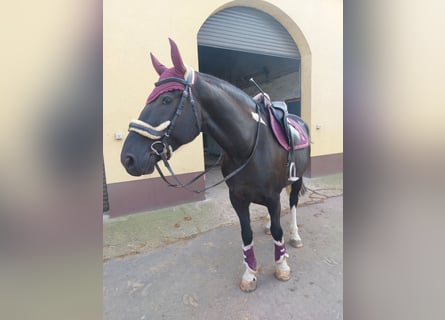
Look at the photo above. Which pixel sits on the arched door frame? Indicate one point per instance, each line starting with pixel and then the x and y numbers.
pixel 299 39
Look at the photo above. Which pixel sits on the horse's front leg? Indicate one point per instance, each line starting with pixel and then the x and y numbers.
pixel 282 269
pixel 249 279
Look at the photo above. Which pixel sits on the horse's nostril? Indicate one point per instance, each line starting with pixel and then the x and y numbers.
pixel 129 161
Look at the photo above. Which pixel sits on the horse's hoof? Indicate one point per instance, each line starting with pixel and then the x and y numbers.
pixel 247 286
pixel 267 230
pixel 282 275
pixel 296 243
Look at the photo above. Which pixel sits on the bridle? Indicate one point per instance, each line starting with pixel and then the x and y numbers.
pixel 162 132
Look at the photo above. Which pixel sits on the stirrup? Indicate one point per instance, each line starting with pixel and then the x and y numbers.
pixel 293 172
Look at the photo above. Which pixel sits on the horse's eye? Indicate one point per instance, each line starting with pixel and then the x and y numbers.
pixel 166 100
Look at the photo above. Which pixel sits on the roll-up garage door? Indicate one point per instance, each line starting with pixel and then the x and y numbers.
pixel 248 30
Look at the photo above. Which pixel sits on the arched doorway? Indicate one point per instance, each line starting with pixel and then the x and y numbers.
pixel 238 43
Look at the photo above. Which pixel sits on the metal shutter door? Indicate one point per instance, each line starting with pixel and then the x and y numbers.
pixel 248 30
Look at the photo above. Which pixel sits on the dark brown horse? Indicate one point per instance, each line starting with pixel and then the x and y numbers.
pixel 185 103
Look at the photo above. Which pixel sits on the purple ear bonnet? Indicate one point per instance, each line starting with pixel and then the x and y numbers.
pixel 178 71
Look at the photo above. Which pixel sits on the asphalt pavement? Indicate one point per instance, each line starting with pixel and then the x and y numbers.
pixel 185 262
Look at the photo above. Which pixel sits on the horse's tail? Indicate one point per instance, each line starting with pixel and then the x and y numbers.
pixel 297 189
pixel 303 188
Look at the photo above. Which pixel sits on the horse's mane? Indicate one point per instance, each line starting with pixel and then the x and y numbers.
pixel 229 88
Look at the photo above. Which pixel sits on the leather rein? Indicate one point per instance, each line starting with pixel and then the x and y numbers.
pixel 165 150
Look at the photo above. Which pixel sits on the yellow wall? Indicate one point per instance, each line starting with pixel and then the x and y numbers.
pixel 134 28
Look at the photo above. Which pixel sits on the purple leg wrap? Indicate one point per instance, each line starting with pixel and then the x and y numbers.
pixel 249 258
pixel 280 251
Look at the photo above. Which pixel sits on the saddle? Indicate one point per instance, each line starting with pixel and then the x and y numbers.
pixel 289 132
pixel 286 127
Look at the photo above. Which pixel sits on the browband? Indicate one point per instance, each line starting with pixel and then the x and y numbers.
pixel 189 78
pixel 171 79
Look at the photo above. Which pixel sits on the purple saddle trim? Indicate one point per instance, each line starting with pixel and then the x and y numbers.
pixel 280 250
pixel 281 138
pixel 249 258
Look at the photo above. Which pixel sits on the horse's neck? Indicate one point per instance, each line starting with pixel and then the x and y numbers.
pixel 227 117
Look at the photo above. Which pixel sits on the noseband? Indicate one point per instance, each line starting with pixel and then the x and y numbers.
pixel 162 132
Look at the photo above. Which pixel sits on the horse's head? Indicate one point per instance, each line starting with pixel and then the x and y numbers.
pixel 168 120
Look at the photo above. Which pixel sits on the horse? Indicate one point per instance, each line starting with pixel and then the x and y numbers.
pixel 184 103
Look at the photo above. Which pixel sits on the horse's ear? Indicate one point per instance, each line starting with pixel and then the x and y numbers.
pixel 176 58
pixel 159 67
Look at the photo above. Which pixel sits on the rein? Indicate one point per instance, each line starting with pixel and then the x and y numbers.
pixel 162 132
pixel 185 186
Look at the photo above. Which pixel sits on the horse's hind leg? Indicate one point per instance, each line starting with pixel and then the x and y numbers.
pixel 295 239
pixel 282 270
pixel 267 227
pixel 249 280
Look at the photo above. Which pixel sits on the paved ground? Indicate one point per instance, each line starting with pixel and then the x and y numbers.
pixel 186 262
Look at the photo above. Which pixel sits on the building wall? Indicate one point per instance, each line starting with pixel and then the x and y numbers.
pixel 131 31
pixel 134 28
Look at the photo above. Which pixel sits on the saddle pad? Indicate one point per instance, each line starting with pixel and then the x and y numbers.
pixel 298 134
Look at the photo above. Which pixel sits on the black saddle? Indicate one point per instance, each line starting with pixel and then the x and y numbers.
pixel 280 113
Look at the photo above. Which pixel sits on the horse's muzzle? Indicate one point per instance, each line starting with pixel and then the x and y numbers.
pixel 137 167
